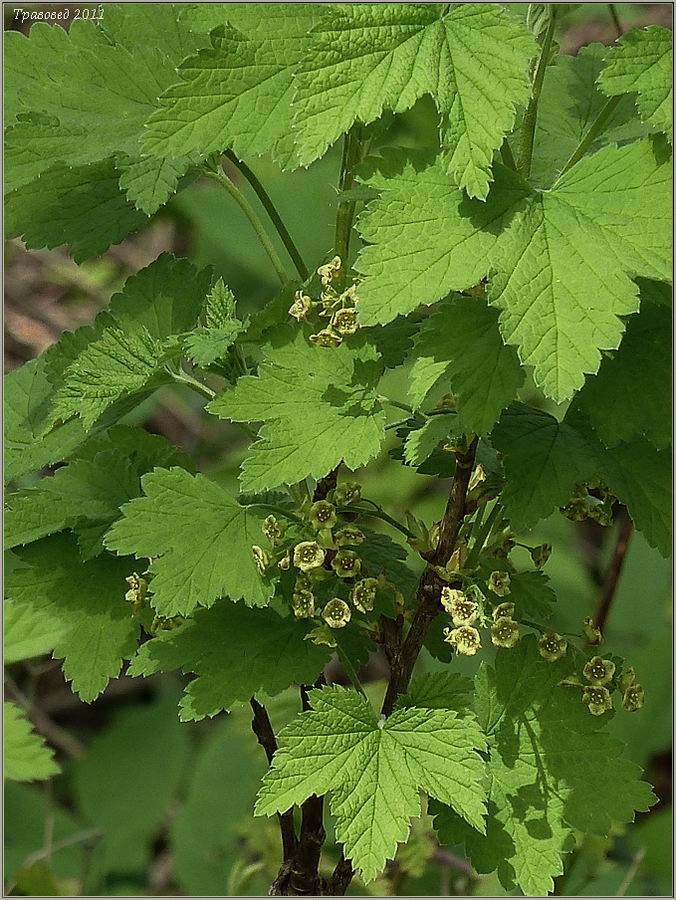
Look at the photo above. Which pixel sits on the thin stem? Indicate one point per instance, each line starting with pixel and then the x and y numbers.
pixel 531 115
pixel 252 216
pixel 476 522
pixel 631 873
pixel 345 214
pixel 279 510
pixel 350 671
pixel 508 156
pixel 616 19
pixel 397 403
pixel 378 513
pixel 595 129
pixel 612 579
pixel 272 212
pixel 183 378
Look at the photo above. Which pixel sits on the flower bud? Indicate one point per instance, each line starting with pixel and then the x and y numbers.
pixel 503 611
pixel 599 671
pixel 329 270
pixel 301 306
pixel 347 493
pixel 323 514
pixel 162 623
pixel 138 588
pixel 336 613
pixel 505 632
pixel 465 640
pixel 344 321
pixel 364 594
pixel 552 646
pixel 478 477
pixel 540 555
pixel 261 558
pixel 349 535
pixel 591 633
pixel 598 700
pixel 272 530
pixel 308 555
pixel 462 610
pixel 499 583
pixel 303 603
pixel 626 679
pixel 634 698
pixel 285 561
pixel 346 564
pixel 326 338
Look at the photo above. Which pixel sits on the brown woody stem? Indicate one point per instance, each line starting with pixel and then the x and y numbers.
pixel 612 578
pixel 262 728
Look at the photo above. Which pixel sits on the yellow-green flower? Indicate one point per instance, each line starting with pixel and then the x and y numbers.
pixel 345 322
pixel 336 613
pixel 346 564
pixel 599 671
pixel 499 583
pixel 346 493
pixel 465 639
pixel 323 514
pixel 303 603
pixel 598 700
pixel 505 633
pixel 349 535
pixel 633 698
pixel 364 594
pixel 503 611
pixel 308 555
pixel 272 530
pixel 552 646
pixel 460 608
pixel 261 558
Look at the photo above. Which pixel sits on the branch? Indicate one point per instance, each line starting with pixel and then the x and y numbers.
pixel 429 588
pixel 613 574
pixel 341 878
pixel 262 728
pixel 304 878
pixel 275 217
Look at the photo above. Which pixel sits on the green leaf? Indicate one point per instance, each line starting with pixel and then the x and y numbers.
pixel 191 573
pixel 460 350
pixel 26 403
pixel 427 239
pixel 238 92
pixel 552 771
pixel 569 103
pixel 235 652
pixel 84 604
pixel 642 62
pixel 374 770
pixel 579 239
pixel 207 345
pixel 422 442
pixel 363 59
pixel 149 182
pixel 532 595
pixel 439 690
pixel 640 374
pixel 26 756
pixel 116 366
pixel 160 24
pixel 86 489
pixel 27 633
pixel 582 239
pixel 641 477
pixel 543 460
pixel 80 206
pixel 319 406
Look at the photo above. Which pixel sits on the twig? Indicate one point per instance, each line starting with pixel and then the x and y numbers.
pixel 341 878
pixel 612 578
pixel 252 216
pixel 262 728
pixel 616 19
pixel 531 114
pixel 56 735
pixel 272 212
pixel 631 873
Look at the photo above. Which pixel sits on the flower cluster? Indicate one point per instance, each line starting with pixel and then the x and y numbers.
pixel 465 610
pixel 338 307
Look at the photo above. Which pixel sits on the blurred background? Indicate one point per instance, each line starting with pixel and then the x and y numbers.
pixel 148 806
